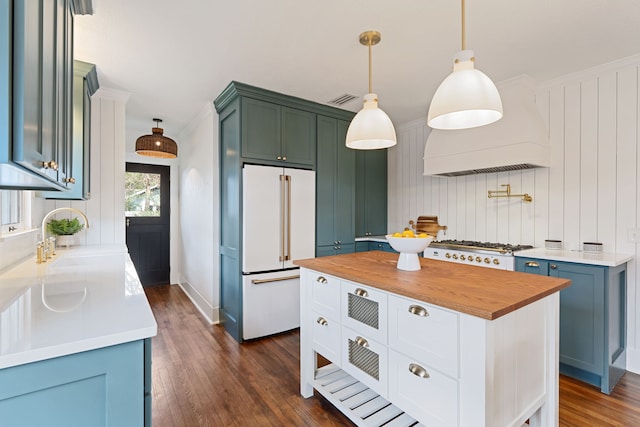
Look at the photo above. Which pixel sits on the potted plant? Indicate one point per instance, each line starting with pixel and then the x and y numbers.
pixel 64 229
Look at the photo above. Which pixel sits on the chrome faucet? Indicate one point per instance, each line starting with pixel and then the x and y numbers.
pixel 55 211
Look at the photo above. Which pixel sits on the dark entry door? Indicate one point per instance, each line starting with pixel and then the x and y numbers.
pixel 147 212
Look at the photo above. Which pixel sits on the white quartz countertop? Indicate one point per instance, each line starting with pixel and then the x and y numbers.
pixel 606 259
pixel 83 299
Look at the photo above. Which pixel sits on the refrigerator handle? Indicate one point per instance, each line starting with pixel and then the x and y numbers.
pixel 283 190
pixel 287 256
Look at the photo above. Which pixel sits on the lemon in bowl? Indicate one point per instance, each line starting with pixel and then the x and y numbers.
pixel 409 245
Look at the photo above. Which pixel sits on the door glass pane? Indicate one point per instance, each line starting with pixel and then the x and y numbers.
pixel 142 194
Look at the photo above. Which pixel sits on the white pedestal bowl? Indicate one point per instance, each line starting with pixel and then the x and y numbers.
pixel 409 248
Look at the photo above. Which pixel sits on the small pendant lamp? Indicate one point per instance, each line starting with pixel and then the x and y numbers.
pixel 157 145
pixel 371 128
pixel 467 98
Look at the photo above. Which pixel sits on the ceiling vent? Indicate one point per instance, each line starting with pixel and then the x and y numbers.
pixel 343 99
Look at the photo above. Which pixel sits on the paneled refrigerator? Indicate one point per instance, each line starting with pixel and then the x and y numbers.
pixel 278 226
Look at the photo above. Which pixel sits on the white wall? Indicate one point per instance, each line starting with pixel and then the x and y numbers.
pixel 591 192
pixel 199 216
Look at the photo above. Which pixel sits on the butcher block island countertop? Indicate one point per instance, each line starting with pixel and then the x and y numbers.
pixel 482 292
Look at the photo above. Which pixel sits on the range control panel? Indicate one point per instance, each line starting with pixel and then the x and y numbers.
pixel 501 262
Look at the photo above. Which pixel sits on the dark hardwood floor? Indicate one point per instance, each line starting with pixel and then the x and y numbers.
pixel 203 377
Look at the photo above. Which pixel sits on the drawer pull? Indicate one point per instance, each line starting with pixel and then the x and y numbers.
pixel 361 293
pixel 362 342
pixel 322 321
pixel 418 311
pixel 321 279
pixel 418 371
pixel 532 264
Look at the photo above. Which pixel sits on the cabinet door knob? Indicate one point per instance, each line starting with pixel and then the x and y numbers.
pixel 70 180
pixel 361 293
pixel 532 264
pixel 284 157
pixel 279 158
pixel 418 371
pixel 50 165
pixel 322 321
pixel 553 266
pixel 321 279
pixel 362 342
pixel 418 311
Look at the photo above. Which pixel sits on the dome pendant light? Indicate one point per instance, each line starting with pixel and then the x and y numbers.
pixel 371 128
pixel 467 98
pixel 157 145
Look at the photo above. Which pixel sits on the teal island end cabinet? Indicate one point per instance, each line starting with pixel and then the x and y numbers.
pixel 592 311
pixel 76 342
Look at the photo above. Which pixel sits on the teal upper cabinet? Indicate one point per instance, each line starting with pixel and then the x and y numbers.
pixel 36 73
pixel 371 193
pixel 273 132
pixel 335 189
pixel 85 84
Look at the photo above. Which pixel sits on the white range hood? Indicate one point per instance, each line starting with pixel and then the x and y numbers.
pixel 518 141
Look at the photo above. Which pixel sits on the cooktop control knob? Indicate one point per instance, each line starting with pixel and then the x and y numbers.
pixel 478 259
pixel 462 257
pixel 447 255
pixel 455 256
pixel 487 260
pixel 496 261
pixel 471 259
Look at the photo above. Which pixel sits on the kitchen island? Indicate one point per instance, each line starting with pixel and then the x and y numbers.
pixel 75 341
pixel 448 345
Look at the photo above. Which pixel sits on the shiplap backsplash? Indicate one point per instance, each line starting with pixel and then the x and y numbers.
pixel 590 193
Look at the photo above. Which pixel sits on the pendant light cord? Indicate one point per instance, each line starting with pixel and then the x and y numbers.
pixel 464 32
pixel 370 85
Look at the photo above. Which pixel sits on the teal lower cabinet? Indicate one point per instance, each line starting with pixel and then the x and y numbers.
pixel 368 245
pixel 381 246
pixel 362 246
pixel 337 249
pixel 102 387
pixel 592 319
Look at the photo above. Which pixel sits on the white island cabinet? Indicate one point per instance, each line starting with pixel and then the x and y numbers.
pixel 75 342
pixel 447 345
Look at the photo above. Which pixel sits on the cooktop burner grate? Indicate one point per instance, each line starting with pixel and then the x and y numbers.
pixel 487 246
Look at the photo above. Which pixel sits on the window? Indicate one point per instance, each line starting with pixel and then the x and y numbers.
pixel 142 194
pixel 14 211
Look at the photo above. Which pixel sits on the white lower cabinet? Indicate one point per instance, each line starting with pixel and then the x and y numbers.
pixel 326 337
pixel 424 392
pixel 426 332
pixel 365 310
pixel 365 359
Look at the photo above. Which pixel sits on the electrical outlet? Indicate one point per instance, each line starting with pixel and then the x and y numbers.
pixel 633 235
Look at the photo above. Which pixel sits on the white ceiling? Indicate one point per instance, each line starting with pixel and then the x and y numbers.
pixel 175 56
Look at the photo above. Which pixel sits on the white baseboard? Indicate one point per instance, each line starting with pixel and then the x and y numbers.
pixel 633 360
pixel 210 313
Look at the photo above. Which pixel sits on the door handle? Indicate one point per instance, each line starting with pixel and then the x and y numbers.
pixel 127 222
pixel 275 279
